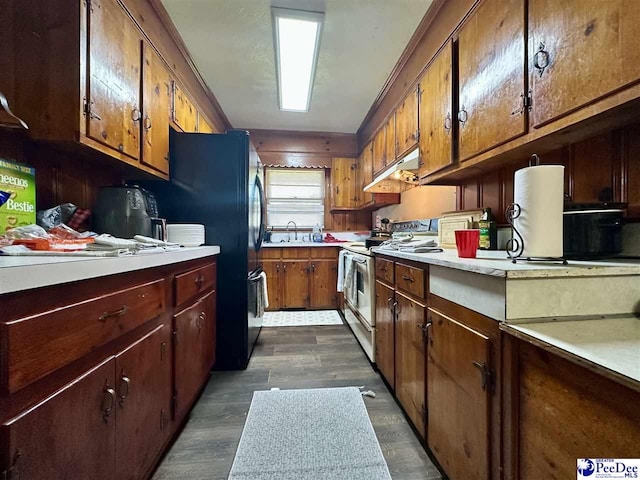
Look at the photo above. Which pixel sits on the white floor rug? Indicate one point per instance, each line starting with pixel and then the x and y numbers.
pixel 301 318
pixel 314 434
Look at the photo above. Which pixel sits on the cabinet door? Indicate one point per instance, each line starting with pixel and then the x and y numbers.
pixel 343 180
pixel 188 353
pixel 143 389
pixel 295 284
pixel 585 50
pixel 458 399
pixel 436 122
pixel 185 114
pixel 365 174
pixel 273 272
pixel 385 333
pixel 390 139
pixel 380 150
pixel 492 76
pixel 114 78
pixel 410 359
pixel 407 122
pixel 71 434
pixel 156 110
pixel 324 280
pixel 204 126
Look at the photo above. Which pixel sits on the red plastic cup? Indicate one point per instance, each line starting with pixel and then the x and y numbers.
pixel 467 242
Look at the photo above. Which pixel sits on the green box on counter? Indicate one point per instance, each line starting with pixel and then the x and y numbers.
pixel 18 184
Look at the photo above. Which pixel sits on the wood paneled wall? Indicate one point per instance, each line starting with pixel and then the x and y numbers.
pixel 610 160
pixel 313 149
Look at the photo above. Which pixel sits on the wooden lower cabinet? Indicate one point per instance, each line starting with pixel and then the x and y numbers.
pixel 301 278
pixel 71 434
pixel 385 332
pixel 190 352
pixel 458 396
pixel 410 371
pixel 143 402
pixel 106 411
pixel 557 411
pixel 324 279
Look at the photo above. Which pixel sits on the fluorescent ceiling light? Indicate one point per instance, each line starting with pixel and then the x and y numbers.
pixel 297 36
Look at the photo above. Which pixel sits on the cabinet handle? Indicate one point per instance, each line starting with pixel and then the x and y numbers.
pixel 277 269
pixel 136 115
pixel 147 123
pixel 486 373
pixel 199 281
pixel 541 59
pixel 201 319
pixel 108 400
pixel 337 189
pixel 395 308
pixel 447 123
pixel 123 389
pixel 389 300
pixel 284 267
pixel 118 313
pixel 408 278
pixel 463 116
pixel 313 267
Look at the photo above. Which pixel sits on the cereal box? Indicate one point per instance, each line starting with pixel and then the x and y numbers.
pixel 17 195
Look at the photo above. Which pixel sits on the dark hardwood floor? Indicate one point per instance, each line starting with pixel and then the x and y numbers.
pixel 290 357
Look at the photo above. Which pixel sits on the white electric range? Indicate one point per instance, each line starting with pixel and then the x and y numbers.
pixel 360 293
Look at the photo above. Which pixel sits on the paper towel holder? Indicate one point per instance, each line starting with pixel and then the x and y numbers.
pixel 515 245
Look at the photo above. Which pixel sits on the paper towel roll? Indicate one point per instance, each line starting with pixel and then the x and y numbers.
pixel 539 191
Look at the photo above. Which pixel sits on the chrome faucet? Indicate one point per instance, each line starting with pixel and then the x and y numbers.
pixel 295 229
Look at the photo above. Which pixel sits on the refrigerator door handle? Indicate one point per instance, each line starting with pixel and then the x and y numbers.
pixel 262 214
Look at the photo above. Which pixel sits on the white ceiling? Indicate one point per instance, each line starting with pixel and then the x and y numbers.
pixel 231 42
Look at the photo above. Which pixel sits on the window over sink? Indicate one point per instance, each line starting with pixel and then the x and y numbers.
pixel 295 194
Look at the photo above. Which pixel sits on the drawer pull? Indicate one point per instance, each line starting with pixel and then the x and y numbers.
pixel 408 278
pixel 125 383
pixel 107 402
pixel 118 313
pixel 199 281
pixel 201 319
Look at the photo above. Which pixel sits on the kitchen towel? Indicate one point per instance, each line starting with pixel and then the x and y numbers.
pixel 351 280
pixel 341 260
pixel 539 191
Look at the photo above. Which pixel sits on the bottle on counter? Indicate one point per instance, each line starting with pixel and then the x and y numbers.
pixel 317 233
pixel 488 231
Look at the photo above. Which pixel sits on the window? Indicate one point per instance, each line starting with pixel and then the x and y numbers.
pixel 295 194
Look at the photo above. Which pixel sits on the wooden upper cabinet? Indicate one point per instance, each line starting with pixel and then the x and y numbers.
pixel 156 98
pixel 380 150
pixel 491 76
pixel 204 126
pixel 436 122
pixel 365 175
pixel 407 128
pixel 114 111
pixel 143 412
pixel 76 427
pixel 185 113
pixel 343 183
pixel 458 399
pixel 579 52
pixel 390 139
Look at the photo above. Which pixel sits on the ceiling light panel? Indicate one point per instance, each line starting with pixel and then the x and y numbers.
pixel 297 37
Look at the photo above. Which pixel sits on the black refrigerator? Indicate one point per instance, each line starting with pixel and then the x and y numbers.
pixel 217 180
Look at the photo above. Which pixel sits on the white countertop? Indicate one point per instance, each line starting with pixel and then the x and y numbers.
pixel 610 343
pixel 25 273
pixel 496 263
pixel 304 244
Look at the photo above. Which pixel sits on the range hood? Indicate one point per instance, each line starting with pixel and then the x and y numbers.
pixel 389 181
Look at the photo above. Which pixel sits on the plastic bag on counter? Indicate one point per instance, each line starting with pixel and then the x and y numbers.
pixel 60 237
pixel 55 216
pixel 27 232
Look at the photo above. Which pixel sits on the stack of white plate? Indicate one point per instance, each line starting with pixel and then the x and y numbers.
pixel 186 234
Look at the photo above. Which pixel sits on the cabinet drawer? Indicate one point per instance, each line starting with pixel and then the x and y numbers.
pixel 193 282
pixel 384 270
pixel 38 345
pixel 410 280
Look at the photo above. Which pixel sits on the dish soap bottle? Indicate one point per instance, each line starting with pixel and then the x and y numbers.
pixel 317 234
pixel 488 231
